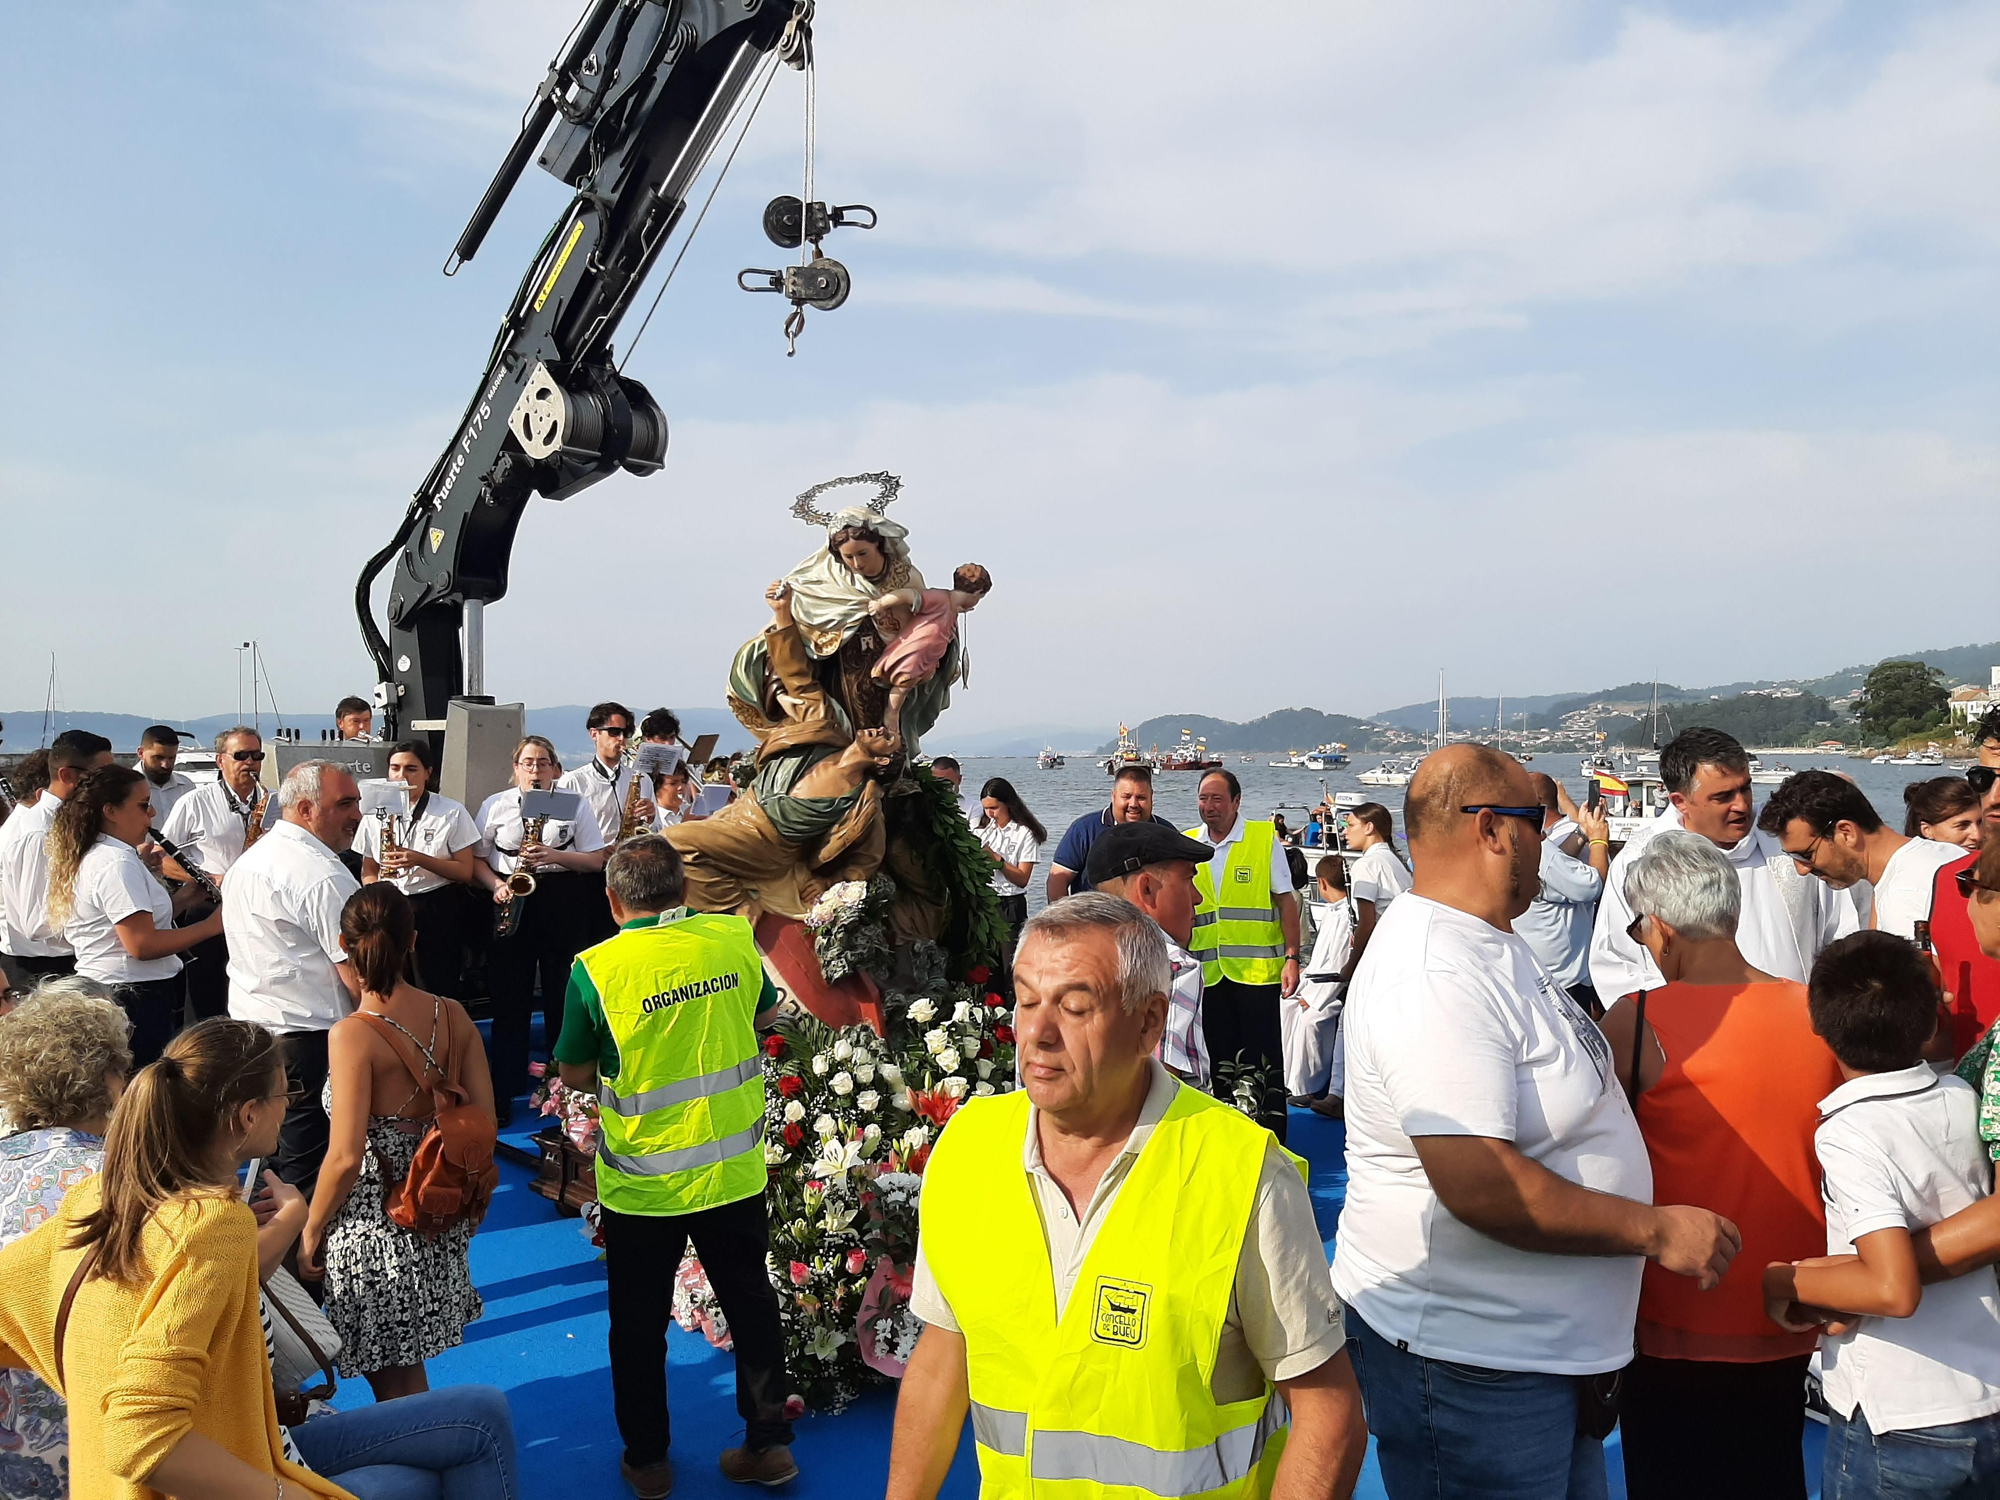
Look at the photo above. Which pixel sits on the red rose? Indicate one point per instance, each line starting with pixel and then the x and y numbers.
pixel 857 1262
pixel 979 975
pixel 1003 1034
pixel 792 1135
pixel 994 1001
pixel 986 1047
pixel 801 1273
pixel 774 1045
pixel 791 1085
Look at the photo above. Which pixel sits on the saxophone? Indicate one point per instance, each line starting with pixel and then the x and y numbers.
pixel 520 884
pixel 390 843
pixel 253 816
pixel 631 825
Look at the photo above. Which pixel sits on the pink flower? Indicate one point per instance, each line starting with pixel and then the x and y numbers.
pixel 857 1260
pixel 538 1070
pixel 801 1273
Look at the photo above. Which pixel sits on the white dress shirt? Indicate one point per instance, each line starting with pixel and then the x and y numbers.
pixel 165 795
pixel 112 883
pixel 605 789
pixel 1281 868
pixel 282 920
pixel 500 833
pixel 436 826
pixel 209 823
pixel 1787 918
pixel 24 881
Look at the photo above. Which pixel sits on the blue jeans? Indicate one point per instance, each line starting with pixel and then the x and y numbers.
pixel 1446 1430
pixel 1961 1459
pixel 456 1443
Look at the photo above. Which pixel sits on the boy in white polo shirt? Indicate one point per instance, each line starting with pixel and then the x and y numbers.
pixel 1913 1382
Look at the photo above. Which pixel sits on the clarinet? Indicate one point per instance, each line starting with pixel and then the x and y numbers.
pixel 203 881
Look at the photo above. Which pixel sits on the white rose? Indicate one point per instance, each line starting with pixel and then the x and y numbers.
pixel 774 1154
pixel 902 1097
pixel 953 1088
pixel 985 1067
pixel 948 1059
pixel 923 1012
pixel 864 1072
pixel 936 1041
pixel 842 1084
pixel 983 1090
pixel 891 1074
pixel 961 1013
pixel 868 1100
pixel 824 1125
pixel 872 1134
pixel 914 1137
pixel 842 1050
pixel 794 1111
pixel 821 1064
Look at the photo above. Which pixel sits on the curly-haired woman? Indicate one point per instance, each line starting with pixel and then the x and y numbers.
pixel 64 1057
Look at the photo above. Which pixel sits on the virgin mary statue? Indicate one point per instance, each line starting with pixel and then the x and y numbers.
pixel 866 555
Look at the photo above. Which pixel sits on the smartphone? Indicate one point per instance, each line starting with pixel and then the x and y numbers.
pixel 253 1177
pixel 1596 795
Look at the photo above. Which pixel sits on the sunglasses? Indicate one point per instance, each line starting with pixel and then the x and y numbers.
pixel 257 755
pixel 1968 882
pixel 1981 778
pixel 1804 856
pixel 1533 814
pixel 616 731
pixel 1633 927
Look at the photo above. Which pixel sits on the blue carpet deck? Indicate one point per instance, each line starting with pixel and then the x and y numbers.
pixel 542 1341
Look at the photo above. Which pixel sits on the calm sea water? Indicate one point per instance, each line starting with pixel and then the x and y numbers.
pixel 1056 797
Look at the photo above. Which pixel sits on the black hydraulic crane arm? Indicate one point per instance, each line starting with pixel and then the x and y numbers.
pixel 637 101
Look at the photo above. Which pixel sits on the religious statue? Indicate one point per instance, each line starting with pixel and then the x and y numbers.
pixel 813 813
pixel 919 626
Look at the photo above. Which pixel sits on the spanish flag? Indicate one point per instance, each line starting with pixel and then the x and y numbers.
pixel 1610 785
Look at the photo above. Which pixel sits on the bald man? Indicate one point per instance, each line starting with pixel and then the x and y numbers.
pixel 1493 1163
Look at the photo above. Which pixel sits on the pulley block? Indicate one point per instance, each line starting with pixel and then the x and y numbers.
pixel 788 223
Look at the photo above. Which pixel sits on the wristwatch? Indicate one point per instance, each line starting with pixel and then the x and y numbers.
pixel 1292 955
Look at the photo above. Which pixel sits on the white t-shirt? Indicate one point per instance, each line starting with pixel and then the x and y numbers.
pixel 439 827
pixel 1453 1028
pixel 1902 1150
pixel 281 915
pixel 500 833
pixel 1016 845
pixel 1903 894
pixel 1377 876
pixel 112 883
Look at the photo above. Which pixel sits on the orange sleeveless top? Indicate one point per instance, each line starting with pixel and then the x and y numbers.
pixel 1729 1127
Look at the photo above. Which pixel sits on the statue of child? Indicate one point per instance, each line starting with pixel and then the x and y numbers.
pixel 917 628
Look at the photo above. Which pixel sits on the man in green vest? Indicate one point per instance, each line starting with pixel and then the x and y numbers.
pixel 1246 934
pixel 1119 1276
pixel 660 1022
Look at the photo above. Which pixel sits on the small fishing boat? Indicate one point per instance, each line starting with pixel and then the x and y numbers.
pixel 1050 759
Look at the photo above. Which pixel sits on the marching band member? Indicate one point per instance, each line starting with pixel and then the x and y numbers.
pixel 354 721
pixel 159 748
pixel 437 848
pixel 114 911
pixel 37 946
pixel 544 937
pixel 605 784
pixel 209 826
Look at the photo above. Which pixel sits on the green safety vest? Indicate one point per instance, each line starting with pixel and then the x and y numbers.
pixel 1111 1400
pixel 1237 935
pixel 683 1128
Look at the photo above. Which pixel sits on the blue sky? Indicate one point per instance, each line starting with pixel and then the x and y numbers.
pixel 1269 364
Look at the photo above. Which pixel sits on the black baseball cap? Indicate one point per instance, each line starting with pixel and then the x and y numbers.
pixel 1129 847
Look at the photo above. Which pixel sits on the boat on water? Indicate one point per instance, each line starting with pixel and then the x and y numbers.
pixel 1597 762
pixel 1127 754
pixel 1328 757
pixel 1630 802
pixel 1291 760
pixel 1050 759
pixel 1190 754
pixel 1924 758
pixel 1395 771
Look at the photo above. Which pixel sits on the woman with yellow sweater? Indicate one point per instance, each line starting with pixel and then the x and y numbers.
pixel 161 1356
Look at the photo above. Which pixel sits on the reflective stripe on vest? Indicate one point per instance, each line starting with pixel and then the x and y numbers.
pixel 1243 941
pixel 682 1125
pixel 1112 1397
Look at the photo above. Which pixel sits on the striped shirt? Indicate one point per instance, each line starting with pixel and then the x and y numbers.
pixel 1182 1047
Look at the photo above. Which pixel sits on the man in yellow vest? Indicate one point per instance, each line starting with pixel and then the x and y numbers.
pixel 1246 934
pixel 1120 1277
pixel 660 1022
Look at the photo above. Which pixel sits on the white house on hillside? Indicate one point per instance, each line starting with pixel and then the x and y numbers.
pixel 1971 704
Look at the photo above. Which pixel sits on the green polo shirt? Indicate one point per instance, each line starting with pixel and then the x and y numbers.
pixel 586 1037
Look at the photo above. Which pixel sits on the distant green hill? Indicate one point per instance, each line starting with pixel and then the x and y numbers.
pixel 1287 729
pixel 1754 718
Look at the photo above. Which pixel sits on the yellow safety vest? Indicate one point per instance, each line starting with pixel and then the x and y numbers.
pixel 1113 1400
pixel 683 1129
pixel 1237 935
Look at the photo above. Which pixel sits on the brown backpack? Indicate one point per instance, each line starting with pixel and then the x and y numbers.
pixel 452 1176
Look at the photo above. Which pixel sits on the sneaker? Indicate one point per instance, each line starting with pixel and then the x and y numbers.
pixel 652 1482
pixel 767 1466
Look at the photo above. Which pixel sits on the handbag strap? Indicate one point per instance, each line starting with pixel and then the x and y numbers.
pixel 83 1269
pixel 408 1049
pixel 311 1343
pixel 1638 1040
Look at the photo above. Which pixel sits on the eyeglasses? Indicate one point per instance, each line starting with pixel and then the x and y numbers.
pixel 1804 856
pixel 1632 928
pixel 1968 882
pixel 1533 814
pixel 616 731
pixel 534 765
pixel 1981 778
pixel 246 755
